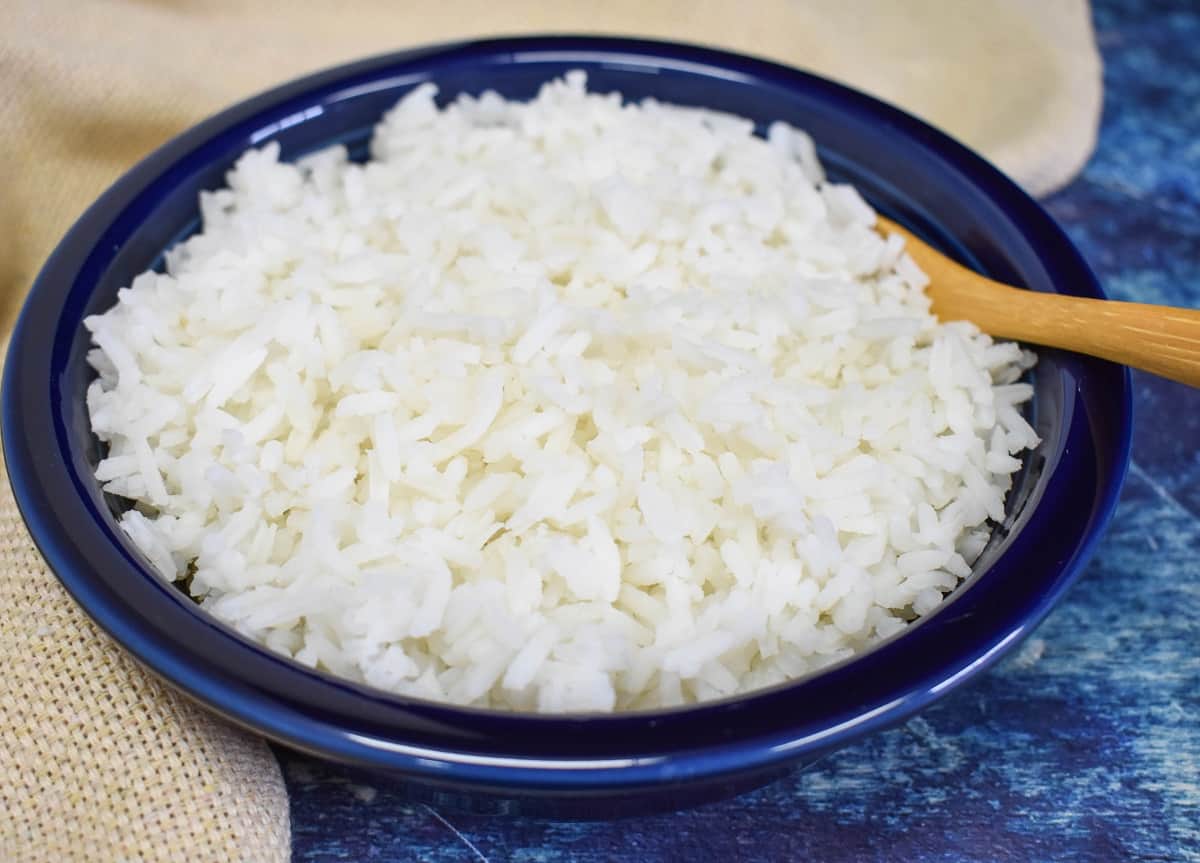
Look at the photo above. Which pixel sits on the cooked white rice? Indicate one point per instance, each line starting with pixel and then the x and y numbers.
pixel 566 405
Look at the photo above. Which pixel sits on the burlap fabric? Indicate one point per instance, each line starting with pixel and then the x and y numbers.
pixel 99 761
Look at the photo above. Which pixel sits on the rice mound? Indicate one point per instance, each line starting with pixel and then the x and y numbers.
pixel 566 405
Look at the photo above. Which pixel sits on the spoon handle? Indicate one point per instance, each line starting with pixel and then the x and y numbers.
pixel 1159 339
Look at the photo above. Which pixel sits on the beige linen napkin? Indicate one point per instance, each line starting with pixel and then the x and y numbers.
pixel 99 761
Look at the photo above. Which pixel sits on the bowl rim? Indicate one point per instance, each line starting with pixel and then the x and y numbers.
pixel 28 416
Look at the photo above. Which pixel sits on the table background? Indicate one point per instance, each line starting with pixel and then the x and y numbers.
pixel 1085 744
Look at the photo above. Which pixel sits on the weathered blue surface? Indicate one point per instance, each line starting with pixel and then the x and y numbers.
pixel 1085 746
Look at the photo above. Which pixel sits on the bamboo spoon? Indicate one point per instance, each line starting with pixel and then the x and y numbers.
pixel 1159 339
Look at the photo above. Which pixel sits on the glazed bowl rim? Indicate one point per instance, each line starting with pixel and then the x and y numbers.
pixel 68 541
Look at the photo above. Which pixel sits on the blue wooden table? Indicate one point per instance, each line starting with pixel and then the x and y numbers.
pixel 1085 745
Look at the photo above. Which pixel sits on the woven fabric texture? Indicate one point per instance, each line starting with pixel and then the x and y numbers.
pixel 98 760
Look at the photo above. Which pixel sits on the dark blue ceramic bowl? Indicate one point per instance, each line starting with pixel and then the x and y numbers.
pixel 594 764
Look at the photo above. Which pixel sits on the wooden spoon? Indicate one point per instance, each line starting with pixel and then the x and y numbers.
pixel 1159 339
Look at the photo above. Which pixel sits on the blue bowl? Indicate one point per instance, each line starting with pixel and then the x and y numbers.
pixel 596 765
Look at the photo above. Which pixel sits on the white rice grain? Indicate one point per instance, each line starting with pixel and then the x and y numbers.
pixel 565 405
